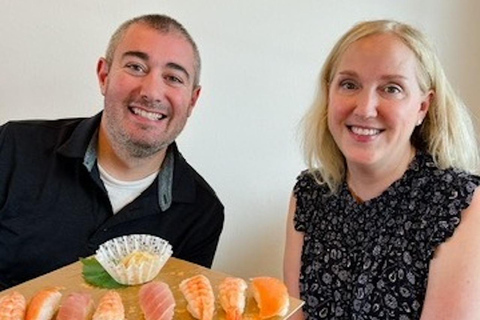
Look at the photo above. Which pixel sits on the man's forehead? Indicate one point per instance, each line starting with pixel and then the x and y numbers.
pixel 155 42
pixel 138 31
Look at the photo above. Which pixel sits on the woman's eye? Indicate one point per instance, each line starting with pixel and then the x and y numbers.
pixel 392 89
pixel 348 85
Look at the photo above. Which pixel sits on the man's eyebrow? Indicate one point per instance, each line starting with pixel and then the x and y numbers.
pixel 178 67
pixel 146 57
pixel 138 54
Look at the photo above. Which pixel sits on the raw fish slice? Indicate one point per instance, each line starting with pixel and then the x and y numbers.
pixel 156 301
pixel 271 296
pixel 110 307
pixel 44 304
pixel 77 306
pixel 12 306
pixel 199 295
pixel 231 293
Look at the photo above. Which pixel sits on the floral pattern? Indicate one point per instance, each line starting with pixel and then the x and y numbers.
pixel 370 260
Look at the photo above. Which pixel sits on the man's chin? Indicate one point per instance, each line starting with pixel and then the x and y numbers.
pixel 142 149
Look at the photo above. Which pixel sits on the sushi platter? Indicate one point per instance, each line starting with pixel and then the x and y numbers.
pixel 70 279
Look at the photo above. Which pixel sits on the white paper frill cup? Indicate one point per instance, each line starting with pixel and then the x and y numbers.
pixel 111 254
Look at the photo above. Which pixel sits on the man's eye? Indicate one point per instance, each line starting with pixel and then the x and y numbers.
pixel 174 79
pixel 135 67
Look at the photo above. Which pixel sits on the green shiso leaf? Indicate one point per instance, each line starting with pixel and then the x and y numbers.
pixel 94 274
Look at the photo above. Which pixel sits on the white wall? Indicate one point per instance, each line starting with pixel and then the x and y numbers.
pixel 260 63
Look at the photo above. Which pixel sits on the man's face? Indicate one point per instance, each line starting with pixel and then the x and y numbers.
pixel 148 89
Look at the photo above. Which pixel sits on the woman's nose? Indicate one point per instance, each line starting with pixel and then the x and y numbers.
pixel 366 104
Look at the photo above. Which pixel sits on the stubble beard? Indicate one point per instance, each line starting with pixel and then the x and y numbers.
pixel 137 147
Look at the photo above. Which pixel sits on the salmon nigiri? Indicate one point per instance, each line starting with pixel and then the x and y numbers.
pixel 271 296
pixel 12 306
pixel 231 293
pixel 77 306
pixel 199 295
pixel 156 301
pixel 44 304
pixel 110 307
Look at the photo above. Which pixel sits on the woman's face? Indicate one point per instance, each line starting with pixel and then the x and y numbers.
pixel 375 102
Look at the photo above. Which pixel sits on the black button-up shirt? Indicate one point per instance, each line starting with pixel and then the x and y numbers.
pixel 54 207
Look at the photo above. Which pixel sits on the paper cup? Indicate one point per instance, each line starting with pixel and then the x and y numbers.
pixel 134 259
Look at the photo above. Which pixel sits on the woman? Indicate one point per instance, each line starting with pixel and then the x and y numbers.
pixel 384 224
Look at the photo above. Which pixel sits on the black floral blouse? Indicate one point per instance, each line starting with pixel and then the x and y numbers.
pixel 370 260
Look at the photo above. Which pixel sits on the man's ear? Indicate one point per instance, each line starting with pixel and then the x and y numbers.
pixel 102 74
pixel 193 100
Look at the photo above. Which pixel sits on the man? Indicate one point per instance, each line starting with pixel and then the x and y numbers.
pixel 67 186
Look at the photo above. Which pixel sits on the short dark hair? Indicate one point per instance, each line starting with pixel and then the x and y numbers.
pixel 162 23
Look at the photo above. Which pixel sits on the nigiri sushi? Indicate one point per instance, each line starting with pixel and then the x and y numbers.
pixel 12 306
pixel 110 307
pixel 271 296
pixel 44 304
pixel 231 293
pixel 156 301
pixel 199 295
pixel 77 306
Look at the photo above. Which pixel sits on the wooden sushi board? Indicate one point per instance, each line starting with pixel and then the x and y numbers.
pixel 175 270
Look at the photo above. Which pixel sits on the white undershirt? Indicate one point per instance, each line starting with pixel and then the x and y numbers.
pixel 121 192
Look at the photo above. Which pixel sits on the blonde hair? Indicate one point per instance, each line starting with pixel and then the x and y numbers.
pixel 446 133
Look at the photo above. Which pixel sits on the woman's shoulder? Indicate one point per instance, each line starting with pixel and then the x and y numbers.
pixel 310 183
pixel 309 178
pixel 430 173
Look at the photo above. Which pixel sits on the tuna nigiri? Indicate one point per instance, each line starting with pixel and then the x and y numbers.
pixel 110 307
pixel 271 296
pixel 199 295
pixel 231 293
pixel 12 306
pixel 44 304
pixel 156 301
pixel 77 306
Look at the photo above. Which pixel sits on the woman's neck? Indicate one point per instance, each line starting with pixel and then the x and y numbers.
pixel 366 183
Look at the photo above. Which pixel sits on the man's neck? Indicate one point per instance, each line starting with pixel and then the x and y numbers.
pixel 122 166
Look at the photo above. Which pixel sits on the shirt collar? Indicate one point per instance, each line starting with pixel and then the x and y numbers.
pixel 90 157
pixel 165 175
pixel 165 181
pixel 175 180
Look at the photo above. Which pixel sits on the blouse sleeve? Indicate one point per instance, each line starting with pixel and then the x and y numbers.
pixel 457 193
pixel 303 192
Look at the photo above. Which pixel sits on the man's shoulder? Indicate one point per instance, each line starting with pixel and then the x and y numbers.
pixel 41 124
pixel 39 128
pixel 70 134
pixel 201 185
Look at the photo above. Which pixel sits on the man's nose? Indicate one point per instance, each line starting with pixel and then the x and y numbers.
pixel 153 87
pixel 367 104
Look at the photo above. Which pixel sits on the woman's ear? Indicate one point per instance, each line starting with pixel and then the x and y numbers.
pixel 424 106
